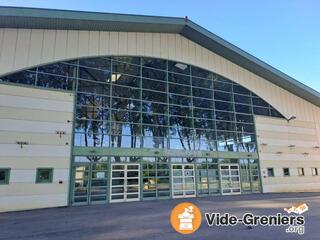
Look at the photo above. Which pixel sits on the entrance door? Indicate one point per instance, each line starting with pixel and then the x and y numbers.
pixel 230 179
pixel 183 180
pixel 125 182
pixel 89 183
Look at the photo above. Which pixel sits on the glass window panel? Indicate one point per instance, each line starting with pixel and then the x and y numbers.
pixel 203 113
pixel 155 119
pixel 242 99
pixel 241 127
pixel 54 81
pixel 180 100
pixel 178 67
pixel 259 102
pixel 243 108
pixel 94 74
pixel 198 72
pixel 226 126
pixel 240 89
pixel 180 122
pixel 204 123
pixel 126 80
pixel 179 89
pixel 261 111
pixel 23 77
pixel 154 96
pixel 203 93
pixel 223 86
pixel 154 74
pixel 244 118
pixel 154 85
pixel 202 103
pixel 275 113
pixel 179 78
pixel 126 92
pixel 223 96
pixel 102 63
pixel 93 87
pixel 203 83
pixel 61 69
pixel 127 59
pixel 227 116
pixel 154 63
pixel 225 106
pixel 125 116
pixel 125 104
pixel 153 107
pixel 92 112
pixel 180 111
pixel 122 67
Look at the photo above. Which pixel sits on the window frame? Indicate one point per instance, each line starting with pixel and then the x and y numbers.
pixel 7 176
pixel 272 169
pixel 301 172
pixel 283 169
pixel 50 180
pixel 314 171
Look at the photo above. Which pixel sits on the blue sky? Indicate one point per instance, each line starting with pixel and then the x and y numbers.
pixel 285 34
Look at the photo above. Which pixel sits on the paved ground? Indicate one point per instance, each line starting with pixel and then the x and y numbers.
pixel 150 220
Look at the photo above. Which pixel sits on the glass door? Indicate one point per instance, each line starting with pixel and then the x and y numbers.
pixel 230 179
pixel 125 182
pixel 183 180
pixel 90 181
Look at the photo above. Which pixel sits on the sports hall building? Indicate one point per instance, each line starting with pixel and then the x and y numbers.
pixel 103 108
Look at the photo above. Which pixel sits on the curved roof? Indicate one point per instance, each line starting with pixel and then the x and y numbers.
pixel 13 17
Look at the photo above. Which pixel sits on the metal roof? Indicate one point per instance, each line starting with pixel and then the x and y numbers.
pixel 36 18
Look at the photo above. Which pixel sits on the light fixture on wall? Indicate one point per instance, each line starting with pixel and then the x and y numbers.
pixel 291 146
pixel 264 144
pixel 305 154
pixel 291 118
pixel 279 152
pixel 21 143
pixel 60 133
pixel 316 147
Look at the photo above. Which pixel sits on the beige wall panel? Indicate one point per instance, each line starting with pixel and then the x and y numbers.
pixel 94 42
pixel 49 42
pixel 22 49
pixel 35 138
pixel 34 162
pixel 29 175
pixel 171 46
pixel 31 188
pixel 114 43
pixel 1 40
pixel 123 43
pixel 33 126
pixel 164 53
pixel 286 156
pixel 8 49
pixel 132 43
pixel 299 187
pixel 13 203
pixel 34 150
pixel 60 51
pixel 148 47
pixel 104 43
pixel 36 47
pixel 156 45
pixel 287 103
pixel 140 44
pixel 11 90
pixel 83 43
pixel 35 103
pixel 72 44
pixel 278 135
pixel 34 114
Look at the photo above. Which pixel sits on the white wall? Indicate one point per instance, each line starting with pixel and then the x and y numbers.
pixel 34 115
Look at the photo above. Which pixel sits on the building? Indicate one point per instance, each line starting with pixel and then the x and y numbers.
pixel 102 108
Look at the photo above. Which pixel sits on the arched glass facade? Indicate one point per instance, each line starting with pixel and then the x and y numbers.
pixel 154 104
